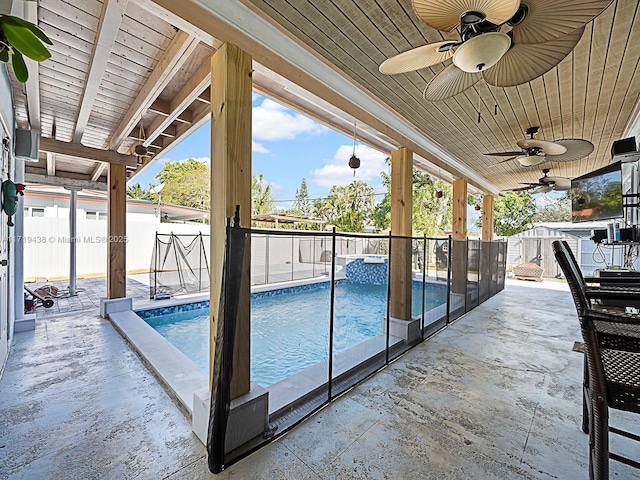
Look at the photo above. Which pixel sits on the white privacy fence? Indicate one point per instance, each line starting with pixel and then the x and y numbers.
pixel 46 245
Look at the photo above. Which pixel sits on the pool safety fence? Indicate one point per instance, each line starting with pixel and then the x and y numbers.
pixel 179 263
pixel 385 294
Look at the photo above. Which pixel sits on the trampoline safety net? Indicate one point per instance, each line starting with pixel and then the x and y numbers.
pixel 179 265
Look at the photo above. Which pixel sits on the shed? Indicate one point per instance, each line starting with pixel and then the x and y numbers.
pixel 535 246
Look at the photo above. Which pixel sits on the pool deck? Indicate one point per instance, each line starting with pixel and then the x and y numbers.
pixel 495 395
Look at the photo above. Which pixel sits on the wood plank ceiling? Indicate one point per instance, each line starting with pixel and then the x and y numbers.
pixel 117 62
pixel 591 94
pixel 113 65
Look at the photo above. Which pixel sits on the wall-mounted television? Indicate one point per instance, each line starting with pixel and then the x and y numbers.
pixel 597 195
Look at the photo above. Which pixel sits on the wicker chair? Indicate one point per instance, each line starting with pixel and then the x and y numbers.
pixel 612 367
pixel 612 351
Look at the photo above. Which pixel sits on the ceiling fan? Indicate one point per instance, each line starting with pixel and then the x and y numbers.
pixel 546 184
pixel 534 152
pixel 506 42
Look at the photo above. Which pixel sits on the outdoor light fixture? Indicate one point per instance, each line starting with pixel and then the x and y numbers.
pixel 481 52
pixel 354 161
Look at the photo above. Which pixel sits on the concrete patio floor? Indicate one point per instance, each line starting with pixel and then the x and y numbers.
pixel 495 395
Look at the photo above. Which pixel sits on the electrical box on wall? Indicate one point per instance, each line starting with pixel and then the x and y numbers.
pixel 27 144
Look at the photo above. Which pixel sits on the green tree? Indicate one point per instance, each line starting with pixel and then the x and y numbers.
pixel 513 212
pixel 137 192
pixel 302 204
pixel 262 200
pixel 348 208
pixel 554 209
pixel 186 183
pixel 430 215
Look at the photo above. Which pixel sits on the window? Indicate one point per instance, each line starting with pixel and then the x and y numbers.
pixel 92 215
pixel 102 215
pixel 37 212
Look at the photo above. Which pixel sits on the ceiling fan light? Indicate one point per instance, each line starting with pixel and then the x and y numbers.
pixel 481 52
pixel 531 160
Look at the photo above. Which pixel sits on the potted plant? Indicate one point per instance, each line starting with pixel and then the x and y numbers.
pixel 19 38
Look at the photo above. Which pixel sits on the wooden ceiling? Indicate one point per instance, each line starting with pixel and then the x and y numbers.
pixel 117 62
pixel 591 94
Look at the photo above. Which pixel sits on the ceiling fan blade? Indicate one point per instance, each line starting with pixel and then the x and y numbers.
pixel 549 20
pixel 449 82
pixel 543 189
pixel 523 62
pixel 521 189
pixel 444 15
pixel 417 58
pixel 504 154
pixel 577 148
pixel 549 148
pixel 502 161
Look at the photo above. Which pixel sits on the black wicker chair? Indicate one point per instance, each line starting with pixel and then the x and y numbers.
pixel 612 368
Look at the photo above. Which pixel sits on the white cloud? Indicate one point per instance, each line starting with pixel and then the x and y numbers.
pixel 272 122
pixel 337 171
pixel 258 147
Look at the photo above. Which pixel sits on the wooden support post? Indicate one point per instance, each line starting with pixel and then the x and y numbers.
pixel 230 186
pixel 117 232
pixel 459 232
pixel 401 213
pixel 459 209
pixel 487 217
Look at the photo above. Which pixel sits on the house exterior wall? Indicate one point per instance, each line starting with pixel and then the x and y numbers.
pixel 7 258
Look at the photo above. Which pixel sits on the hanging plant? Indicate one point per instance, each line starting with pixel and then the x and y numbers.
pixel 19 39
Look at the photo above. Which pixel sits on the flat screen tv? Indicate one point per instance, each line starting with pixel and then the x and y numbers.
pixel 597 195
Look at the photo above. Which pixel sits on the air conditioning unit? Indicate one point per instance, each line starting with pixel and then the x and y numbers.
pixel 27 144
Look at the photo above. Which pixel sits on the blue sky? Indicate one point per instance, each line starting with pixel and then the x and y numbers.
pixel 287 147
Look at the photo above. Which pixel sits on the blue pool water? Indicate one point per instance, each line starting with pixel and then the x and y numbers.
pixel 290 331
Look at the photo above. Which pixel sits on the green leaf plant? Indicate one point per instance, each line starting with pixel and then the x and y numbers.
pixel 19 39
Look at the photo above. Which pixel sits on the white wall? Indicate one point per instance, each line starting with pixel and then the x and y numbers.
pixel 46 244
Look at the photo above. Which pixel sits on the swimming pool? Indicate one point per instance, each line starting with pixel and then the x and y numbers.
pixel 290 328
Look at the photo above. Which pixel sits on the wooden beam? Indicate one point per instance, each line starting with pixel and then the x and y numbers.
pixel 231 186
pixel 189 92
pixel 80 151
pixel 170 132
pixel 63 182
pixel 108 27
pixel 51 164
pixel 117 232
pixel 401 214
pixel 459 224
pixel 178 52
pixel 33 82
pixel 458 264
pixel 487 217
pixel 98 170
pixel 205 96
pixel 159 106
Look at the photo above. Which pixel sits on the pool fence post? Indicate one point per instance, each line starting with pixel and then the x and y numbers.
pixel 332 309
pixel 292 249
pixel 449 248
pixel 266 259
pixel 424 277
pixel 200 264
pixel 155 270
pixel 386 350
